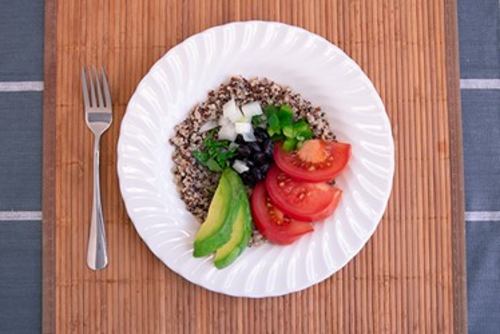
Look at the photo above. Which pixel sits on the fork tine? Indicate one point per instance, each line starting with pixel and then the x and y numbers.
pixel 105 86
pixel 93 100
pixel 85 90
pixel 98 88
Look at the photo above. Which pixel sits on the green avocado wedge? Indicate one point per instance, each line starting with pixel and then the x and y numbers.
pixel 240 235
pixel 217 228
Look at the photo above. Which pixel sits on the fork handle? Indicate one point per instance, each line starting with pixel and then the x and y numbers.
pixel 97 254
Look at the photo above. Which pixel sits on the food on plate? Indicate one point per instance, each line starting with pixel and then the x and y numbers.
pixel 274 225
pixel 256 161
pixel 254 158
pixel 240 235
pixel 301 200
pixel 316 161
pixel 282 127
pixel 228 226
pixel 217 227
pixel 215 154
pixel 196 184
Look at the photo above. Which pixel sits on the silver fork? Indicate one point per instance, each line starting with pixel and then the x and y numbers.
pixel 98 116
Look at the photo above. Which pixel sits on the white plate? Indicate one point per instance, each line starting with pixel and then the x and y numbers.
pixel 291 56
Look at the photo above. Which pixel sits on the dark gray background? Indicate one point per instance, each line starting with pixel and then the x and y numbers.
pixel 21 59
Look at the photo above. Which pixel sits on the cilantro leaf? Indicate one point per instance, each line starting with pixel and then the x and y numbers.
pixel 215 154
pixel 201 156
pixel 213 165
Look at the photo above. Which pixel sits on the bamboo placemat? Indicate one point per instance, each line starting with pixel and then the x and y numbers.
pixel 410 277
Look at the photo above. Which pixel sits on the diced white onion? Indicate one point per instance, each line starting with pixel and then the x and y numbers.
pixel 246 130
pixel 224 121
pixel 249 137
pixel 227 132
pixel 209 125
pixel 240 166
pixel 251 109
pixel 233 122
pixel 245 119
pixel 243 127
pixel 231 111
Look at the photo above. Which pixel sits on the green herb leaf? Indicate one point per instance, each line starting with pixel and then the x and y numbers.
pixel 282 127
pixel 223 143
pixel 213 165
pixel 289 144
pixel 289 131
pixel 278 137
pixel 302 130
pixel 301 126
pixel 226 155
pixel 220 162
pixel 285 115
pixel 270 109
pixel 258 120
pixel 286 108
pixel 215 154
pixel 202 157
pixel 210 136
pixel 273 124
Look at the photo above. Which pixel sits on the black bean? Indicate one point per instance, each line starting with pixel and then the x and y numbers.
pixel 255 147
pixel 259 158
pixel 249 163
pixel 239 140
pixel 244 151
pixel 257 174
pixel 248 178
pixel 244 176
pixel 264 168
pixel 260 132
pixel 268 148
pixel 261 135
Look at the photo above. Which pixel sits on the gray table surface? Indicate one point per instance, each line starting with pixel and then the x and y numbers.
pixel 21 89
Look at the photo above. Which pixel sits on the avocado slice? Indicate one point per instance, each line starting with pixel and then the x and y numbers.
pixel 216 230
pixel 240 235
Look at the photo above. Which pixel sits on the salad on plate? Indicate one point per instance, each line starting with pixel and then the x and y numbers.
pixel 255 162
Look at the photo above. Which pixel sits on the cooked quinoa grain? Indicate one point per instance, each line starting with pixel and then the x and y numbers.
pixel 196 184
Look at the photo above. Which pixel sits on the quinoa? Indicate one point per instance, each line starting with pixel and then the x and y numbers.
pixel 195 183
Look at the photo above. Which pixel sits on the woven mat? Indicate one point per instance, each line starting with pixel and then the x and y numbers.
pixel 410 277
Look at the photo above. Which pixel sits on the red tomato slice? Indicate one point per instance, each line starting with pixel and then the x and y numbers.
pixel 316 161
pixel 271 222
pixel 305 201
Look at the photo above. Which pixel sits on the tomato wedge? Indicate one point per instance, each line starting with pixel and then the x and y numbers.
pixel 272 223
pixel 304 201
pixel 316 161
